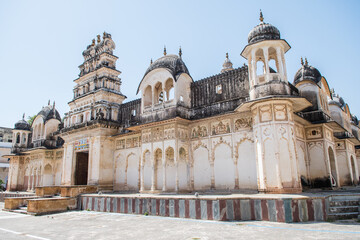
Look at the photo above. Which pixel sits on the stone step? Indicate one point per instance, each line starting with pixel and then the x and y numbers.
pixel 341 216
pixel 20 210
pixel 344 203
pixel 343 209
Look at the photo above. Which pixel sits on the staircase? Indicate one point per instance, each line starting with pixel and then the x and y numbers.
pixel 343 207
pixel 47 200
pixel 22 210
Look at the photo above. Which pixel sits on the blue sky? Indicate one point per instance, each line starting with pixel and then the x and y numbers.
pixel 42 41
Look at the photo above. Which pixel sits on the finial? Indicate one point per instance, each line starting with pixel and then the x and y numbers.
pixel 332 91
pixel 151 62
pixel 261 16
pixel 306 62
pixel 93 42
pixel 54 109
pixel 104 34
pixel 54 105
pixel 227 55
pixel 49 102
pixel 302 61
pixel 164 50
pixel 180 52
pixel 98 39
pixel 23 116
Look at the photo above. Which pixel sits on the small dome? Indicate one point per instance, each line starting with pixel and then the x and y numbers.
pixel 227 66
pixel 171 62
pixel 263 31
pixel 354 120
pixel 49 112
pixel 22 124
pixel 307 72
pixel 337 100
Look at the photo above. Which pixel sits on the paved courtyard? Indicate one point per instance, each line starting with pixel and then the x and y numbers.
pixel 95 225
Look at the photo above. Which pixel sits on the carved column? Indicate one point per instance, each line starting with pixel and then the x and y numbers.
pixel 176 153
pixel 142 183
pixel 164 160
pixel 29 180
pixel 153 179
pixel 266 62
pixel 279 62
pixel 33 180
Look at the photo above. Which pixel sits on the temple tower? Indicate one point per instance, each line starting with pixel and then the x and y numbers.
pixel 93 116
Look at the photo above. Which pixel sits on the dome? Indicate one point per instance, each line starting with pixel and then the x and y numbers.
pixel 49 112
pixel 263 31
pixel 22 124
pixel 337 100
pixel 171 62
pixel 307 72
pixel 227 66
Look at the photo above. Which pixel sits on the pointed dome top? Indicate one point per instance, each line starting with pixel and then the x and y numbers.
pixel 307 72
pixel 22 124
pixel 227 66
pixel 49 112
pixel 263 31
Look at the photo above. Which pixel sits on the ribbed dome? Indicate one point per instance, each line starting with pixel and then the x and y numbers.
pixel 48 113
pixel 263 31
pixel 171 62
pixel 307 72
pixel 22 125
pixel 337 100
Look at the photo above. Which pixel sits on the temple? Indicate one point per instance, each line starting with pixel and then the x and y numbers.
pixel 246 128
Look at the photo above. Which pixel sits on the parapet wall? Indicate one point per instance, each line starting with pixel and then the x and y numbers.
pixel 275 210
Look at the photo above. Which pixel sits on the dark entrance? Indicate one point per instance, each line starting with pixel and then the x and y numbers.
pixel 81 169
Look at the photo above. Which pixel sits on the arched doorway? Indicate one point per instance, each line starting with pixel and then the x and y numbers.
pixel 334 178
pixel 48 176
pixel 132 172
pixel 170 169
pixel 182 170
pixel 224 167
pixel 202 169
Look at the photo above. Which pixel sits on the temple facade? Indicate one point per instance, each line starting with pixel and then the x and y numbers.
pixel 246 128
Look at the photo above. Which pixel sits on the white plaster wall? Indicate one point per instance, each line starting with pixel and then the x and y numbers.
pixel 120 165
pixel 202 169
pixel 147 171
pixel 67 168
pixel 301 159
pixel 224 167
pixel 270 165
pixel 170 175
pixel 183 174
pixel 159 174
pixel 246 165
pixel 58 174
pixel 51 126
pixel 344 171
pixel 183 89
pixel 285 163
pixel 318 168
pixel 133 177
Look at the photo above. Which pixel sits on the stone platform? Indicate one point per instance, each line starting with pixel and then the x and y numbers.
pixel 261 207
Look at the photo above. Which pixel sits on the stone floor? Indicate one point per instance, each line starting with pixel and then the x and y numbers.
pixel 96 225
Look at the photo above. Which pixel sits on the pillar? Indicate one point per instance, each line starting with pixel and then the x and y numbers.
pixel 164 171
pixel 153 179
